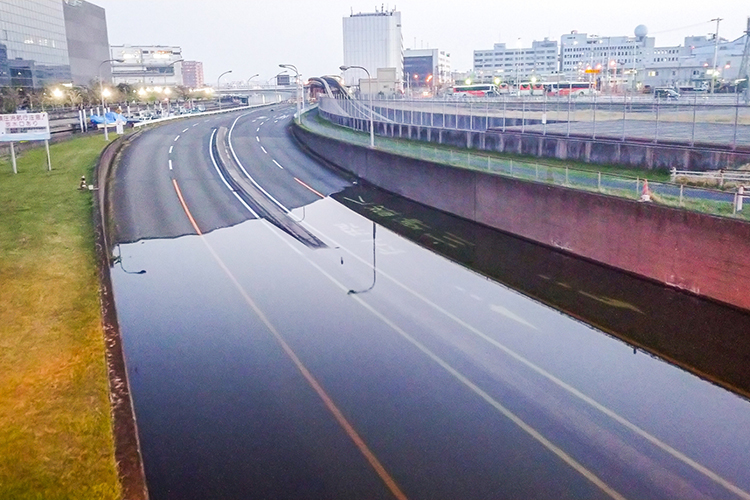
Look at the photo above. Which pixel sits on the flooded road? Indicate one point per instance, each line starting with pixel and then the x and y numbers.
pixel 397 361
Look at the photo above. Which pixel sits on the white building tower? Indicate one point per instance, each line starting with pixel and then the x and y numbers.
pixel 373 40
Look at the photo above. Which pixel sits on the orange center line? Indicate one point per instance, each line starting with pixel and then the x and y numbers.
pixel 185 207
pixel 308 187
pixel 327 401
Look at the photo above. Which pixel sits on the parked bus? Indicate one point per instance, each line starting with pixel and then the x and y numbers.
pixel 476 90
pixel 570 88
pixel 529 88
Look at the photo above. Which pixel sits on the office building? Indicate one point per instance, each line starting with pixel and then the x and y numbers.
pixel 147 65
pixel 45 42
pixel 511 64
pixel 427 68
pixel 373 41
pixel 87 40
pixel 192 74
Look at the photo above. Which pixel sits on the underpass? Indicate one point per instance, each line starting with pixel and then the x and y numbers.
pixel 374 367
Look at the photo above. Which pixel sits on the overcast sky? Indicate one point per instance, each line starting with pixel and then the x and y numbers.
pixel 251 37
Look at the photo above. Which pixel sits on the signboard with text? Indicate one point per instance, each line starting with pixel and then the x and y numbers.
pixel 24 127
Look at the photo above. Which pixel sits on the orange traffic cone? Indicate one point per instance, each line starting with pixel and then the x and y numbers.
pixel 646 193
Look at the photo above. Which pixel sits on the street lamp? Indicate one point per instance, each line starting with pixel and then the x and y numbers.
pixel 299 94
pixel 101 93
pixel 369 79
pixel 218 85
pixel 248 80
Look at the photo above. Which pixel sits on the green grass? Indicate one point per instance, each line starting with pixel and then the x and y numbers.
pixel 55 429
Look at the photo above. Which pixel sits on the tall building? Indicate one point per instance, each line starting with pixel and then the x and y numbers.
pixel 373 40
pixel 192 74
pixel 510 64
pixel 427 68
pixel 33 44
pixel 147 65
pixel 51 41
pixel 88 41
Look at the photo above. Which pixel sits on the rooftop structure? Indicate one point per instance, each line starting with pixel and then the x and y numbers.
pixel 372 40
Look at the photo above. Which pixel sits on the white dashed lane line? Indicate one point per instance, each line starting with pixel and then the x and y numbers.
pixel 175 139
pixel 195 124
pixel 170 164
pixel 186 130
pixel 170 149
pixel 257 129
pixel 264 149
pixel 257 138
pixel 277 164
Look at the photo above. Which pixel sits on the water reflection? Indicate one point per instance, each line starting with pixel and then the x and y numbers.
pixel 701 336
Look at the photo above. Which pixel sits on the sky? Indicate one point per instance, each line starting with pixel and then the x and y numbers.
pixel 250 37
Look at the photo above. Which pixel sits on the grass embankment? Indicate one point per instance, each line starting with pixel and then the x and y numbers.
pixel 55 428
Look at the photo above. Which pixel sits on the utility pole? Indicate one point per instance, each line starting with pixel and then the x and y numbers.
pixel 745 64
pixel 716 51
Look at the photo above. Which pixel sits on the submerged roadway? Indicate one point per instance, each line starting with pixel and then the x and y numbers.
pixel 372 367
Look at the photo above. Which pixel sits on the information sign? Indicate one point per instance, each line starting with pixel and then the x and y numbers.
pixel 24 127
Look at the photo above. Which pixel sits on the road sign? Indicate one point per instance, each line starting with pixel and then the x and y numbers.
pixel 24 127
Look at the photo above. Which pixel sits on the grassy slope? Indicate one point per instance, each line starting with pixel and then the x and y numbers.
pixel 55 430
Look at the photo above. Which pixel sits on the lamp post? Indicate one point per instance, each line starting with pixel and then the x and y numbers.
pixel 299 94
pixel 218 85
pixel 101 93
pixel 369 79
pixel 248 80
pixel 716 52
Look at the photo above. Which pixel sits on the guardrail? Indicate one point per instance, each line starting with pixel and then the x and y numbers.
pixel 720 178
pixel 697 198
pixel 694 121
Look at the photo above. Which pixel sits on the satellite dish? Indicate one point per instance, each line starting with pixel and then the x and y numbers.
pixel 641 31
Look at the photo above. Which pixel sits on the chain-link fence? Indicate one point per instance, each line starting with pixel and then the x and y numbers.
pixel 722 202
pixel 700 119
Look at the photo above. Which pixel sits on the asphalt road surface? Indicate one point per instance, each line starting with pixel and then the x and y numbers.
pixel 374 367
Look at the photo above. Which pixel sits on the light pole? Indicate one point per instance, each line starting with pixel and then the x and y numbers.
pixel 218 85
pixel 299 94
pixel 101 93
pixel 716 52
pixel 369 79
pixel 248 80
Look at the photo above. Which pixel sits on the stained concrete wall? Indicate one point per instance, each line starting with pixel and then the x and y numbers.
pixel 707 255
pixel 639 154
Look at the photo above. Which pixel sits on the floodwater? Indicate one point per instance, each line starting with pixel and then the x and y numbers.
pixel 413 334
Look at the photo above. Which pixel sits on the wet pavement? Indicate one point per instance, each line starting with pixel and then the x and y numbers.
pixel 461 361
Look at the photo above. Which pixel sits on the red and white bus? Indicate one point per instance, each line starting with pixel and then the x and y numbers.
pixel 476 90
pixel 570 88
pixel 530 88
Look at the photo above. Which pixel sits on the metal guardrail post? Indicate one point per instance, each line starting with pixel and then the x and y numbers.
pixel 511 166
pixel 567 182
pixel 593 130
pixel 736 117
pixel 692 133
pixel 682 187
pixel 637 185
pixel 599 181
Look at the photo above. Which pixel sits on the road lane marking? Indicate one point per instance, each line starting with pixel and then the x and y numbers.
pixel 211 142
pixel 544 373
pixel 186 130
pixel 242 167
pixel 536 435
pixel 185 208
pixel 175 139
pixel 170 164
pixel 311 380
pixel 257 138
pixel 170 149
pixel 264 149
pixel 257 129
pixel 195 124
pixel 308 187
pixel 277 164
pixel 510 314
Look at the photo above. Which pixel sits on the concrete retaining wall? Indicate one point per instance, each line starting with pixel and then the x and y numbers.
pixel 707 255
pixel 582 149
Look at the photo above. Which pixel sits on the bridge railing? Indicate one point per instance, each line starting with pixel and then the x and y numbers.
pixel 692 120
pixel 682 193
